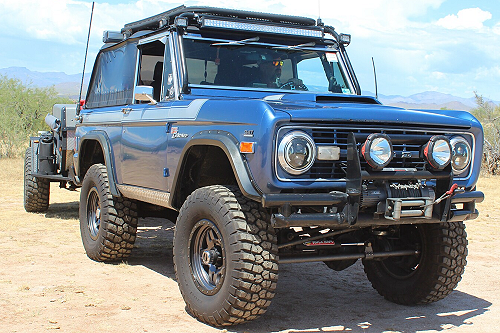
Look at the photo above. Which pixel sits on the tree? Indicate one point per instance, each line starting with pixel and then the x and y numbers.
pixel 22 113
pixel 489 116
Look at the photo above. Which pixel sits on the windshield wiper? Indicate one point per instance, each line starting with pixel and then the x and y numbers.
pixel 237 42
pixel 294 47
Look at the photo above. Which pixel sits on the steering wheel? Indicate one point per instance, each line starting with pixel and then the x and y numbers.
pixel 294 84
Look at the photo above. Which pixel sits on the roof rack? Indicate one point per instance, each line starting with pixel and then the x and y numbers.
pixel 167 18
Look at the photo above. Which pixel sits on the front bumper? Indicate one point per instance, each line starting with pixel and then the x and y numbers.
pixel 286 202
pixel 343 209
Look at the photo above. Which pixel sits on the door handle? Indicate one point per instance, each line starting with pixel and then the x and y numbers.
pixel 126 110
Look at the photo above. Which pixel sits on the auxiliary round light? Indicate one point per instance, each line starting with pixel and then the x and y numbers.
pixel 438 152
pixel 296 152
pixel 461 155
pixel 377 150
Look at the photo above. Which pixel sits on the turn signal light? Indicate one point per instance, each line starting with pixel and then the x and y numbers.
pixel 247 147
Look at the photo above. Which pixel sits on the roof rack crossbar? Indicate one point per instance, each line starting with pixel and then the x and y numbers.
pixel 167 18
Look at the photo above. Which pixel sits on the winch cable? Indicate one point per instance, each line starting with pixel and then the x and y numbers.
pixel 451 192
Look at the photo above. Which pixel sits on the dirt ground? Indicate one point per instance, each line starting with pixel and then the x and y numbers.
pixel 48 283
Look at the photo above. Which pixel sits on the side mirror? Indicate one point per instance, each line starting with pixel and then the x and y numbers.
pixel 145 94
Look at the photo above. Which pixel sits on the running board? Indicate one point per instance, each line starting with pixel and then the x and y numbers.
pixel 148 195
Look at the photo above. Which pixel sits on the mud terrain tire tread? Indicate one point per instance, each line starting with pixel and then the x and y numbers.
pixel 444 260
pixel 118 226
pixel 36 190
pixel 253 250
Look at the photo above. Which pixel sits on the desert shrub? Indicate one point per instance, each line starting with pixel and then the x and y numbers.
pixel 489 116
pixel 22 112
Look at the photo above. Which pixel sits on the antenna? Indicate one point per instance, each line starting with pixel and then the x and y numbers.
pixel 85 60
pixel 375 76
pixel 319 22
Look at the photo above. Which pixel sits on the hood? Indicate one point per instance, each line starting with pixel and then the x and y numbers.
pixel 342 109
pixel 361 109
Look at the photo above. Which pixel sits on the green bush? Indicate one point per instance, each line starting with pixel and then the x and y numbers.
pixel 489 116
pixel 22 112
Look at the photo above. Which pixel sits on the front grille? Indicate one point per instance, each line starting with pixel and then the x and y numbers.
pixel 406 144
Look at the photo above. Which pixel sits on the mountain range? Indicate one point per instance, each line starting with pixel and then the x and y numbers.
pixel 428 100
pixel 69 85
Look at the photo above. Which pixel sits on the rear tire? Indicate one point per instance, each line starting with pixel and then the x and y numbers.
pixel 428 277
pixel 36 190
pixel 108 224
pixel 225 256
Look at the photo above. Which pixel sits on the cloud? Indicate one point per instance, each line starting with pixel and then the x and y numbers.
pixel 471 18
pixel 66 21
pixel 496 28
pixel 411 52
pixel 55 20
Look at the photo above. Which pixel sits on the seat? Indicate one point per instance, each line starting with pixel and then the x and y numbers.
pixel 157 77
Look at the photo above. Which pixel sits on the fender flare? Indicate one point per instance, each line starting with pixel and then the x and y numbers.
pixel 230 146
pixel 103 140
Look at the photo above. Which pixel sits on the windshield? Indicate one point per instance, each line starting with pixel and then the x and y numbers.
pixel 237 64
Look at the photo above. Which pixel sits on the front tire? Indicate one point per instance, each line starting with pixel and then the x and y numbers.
pixel 225 256
pixel 36 190
pixel 428 277
pixel 108 224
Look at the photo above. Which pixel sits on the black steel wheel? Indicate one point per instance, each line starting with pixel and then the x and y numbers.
pixel 225 256
pixel 108 224
pixel 93 213
pixel 425 278
pixel 207 257
pixel 36 190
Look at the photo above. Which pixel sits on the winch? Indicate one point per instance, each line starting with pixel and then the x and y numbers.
pixel 397 200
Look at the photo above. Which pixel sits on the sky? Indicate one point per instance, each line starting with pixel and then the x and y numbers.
pixel 448 46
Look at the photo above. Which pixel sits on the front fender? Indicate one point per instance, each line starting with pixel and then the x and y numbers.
pixel 230 145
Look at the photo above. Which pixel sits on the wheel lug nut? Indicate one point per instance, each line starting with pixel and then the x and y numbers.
pixel 209 257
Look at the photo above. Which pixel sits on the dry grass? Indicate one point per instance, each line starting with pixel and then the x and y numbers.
pixel 485 228
pixel 47 282
pixel 63 203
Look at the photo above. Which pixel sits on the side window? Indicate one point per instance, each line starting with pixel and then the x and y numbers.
pixel 151 67
pixel 155 68
pixel 113 77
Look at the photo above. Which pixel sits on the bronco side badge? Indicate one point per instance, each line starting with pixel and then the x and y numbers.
pixel 176 134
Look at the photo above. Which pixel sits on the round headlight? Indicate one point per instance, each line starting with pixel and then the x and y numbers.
pixel 377 150
pixel 296 152
pixel 438 152
pixel 461 155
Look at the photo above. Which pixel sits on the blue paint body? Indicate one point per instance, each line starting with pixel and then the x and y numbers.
pixel 147 139
pixel 149 147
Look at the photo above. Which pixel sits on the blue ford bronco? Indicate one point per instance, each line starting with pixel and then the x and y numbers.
pixel 249 131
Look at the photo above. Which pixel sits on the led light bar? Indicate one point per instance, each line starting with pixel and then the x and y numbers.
pixel 223 24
